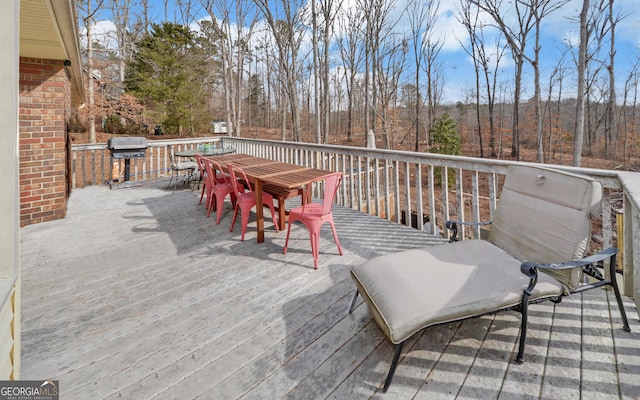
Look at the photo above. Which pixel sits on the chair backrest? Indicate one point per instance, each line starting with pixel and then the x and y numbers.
pixel 209 172
pixel 201 165
pixel 234 173
pixel 331 184
pixel 543 215
pixel 215 166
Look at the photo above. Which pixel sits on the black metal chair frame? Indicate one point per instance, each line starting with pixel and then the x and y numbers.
pixel 176 168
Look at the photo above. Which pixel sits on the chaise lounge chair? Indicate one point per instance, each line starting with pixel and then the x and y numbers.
pixel 542 223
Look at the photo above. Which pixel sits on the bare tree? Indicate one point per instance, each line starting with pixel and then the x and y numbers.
pixel 233 38
pixel 352 56
pixel 145 20
pixel 120 11
pixel 469 19
pixel 186 11
pixel 630 100
pixel 580 101
pixel 89 13
pixel 556 80
pixel 485 61
pixel 329 10
pixel 391 62
pixel 611 134
pixel 287 29
pixel 379 25
pixel 540 9
pixel 516 37
pixel 316 72
pixel 422 17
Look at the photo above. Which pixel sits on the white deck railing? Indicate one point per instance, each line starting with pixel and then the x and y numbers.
pixel 392 184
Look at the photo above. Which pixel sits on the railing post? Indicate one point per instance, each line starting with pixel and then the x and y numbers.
pixel 607 227
pixel 444 175
pixel 631 249
pixel 419 201
pixel 460 197
pixel 432 199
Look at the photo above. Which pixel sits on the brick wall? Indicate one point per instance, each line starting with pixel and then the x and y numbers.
pixel 45 103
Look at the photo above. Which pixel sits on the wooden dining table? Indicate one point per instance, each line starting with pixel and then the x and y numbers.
pixel 276 173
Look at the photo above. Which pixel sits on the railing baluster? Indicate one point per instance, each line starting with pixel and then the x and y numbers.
pixel 396 174
pixel 407 193
pixel 419 201
pixel 387 191
pixel 376 189
pixel 84 176
pixel 367 183
pixel 492 195
pixel 432 199
pixel 475 203
pixel 446 213
pixel 359 180
pixel 460 198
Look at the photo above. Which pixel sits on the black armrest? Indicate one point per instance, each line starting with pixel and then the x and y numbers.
pixel 530 269
pixel 453 226
pixel 528 266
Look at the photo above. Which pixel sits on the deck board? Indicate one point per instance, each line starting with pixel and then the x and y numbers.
pixel 144 297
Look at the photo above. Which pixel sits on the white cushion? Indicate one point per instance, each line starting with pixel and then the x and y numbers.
pixel 414 289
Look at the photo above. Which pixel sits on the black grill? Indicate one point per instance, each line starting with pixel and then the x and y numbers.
pixel 127 148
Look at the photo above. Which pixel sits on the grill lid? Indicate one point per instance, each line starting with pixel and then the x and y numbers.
pixel 127 143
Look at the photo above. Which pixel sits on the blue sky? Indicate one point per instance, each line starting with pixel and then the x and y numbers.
pixel 559 29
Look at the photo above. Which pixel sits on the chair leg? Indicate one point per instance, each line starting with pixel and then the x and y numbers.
pixel 245 221
pixel 335 237
pixel 173 176
pixel 315 243
pixel 273 217
pixel 235 216
pixel 523 330
pixel 353 301
pixel 616 291
pixel 286 241
pixel 219 206
pixel 392 368
pixel 210 203
pixel 202 193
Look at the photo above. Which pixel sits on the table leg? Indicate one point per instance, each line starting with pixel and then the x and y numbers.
pixel 257 188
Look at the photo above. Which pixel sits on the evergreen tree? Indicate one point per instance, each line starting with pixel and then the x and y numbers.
pixel 445 140
pixel 166 72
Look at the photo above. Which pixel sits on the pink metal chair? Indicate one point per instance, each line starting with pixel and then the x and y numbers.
pixel 216 190
pixel 221 177
pixel 206 189
pixel 246 199
pixel 314 215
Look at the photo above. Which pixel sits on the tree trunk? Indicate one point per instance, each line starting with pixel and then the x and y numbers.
pixel 90 84
pixel 316 74
pixel 612 125
pixel 578 139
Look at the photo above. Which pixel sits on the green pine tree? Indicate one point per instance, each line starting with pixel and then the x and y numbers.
pixel 164 74
pixel 445 140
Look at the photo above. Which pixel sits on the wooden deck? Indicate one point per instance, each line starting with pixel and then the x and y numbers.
pixel 136 295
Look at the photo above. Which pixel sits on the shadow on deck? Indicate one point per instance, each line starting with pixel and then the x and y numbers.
pixel 136 295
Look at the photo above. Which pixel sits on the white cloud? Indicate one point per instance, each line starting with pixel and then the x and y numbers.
pixel 103 32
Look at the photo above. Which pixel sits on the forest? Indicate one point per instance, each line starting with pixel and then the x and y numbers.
pixel 329 71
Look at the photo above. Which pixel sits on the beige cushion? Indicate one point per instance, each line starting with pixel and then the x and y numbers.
pixel 543 216
pixel 414 289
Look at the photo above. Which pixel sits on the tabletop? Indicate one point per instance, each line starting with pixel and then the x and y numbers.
pixel 204 152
